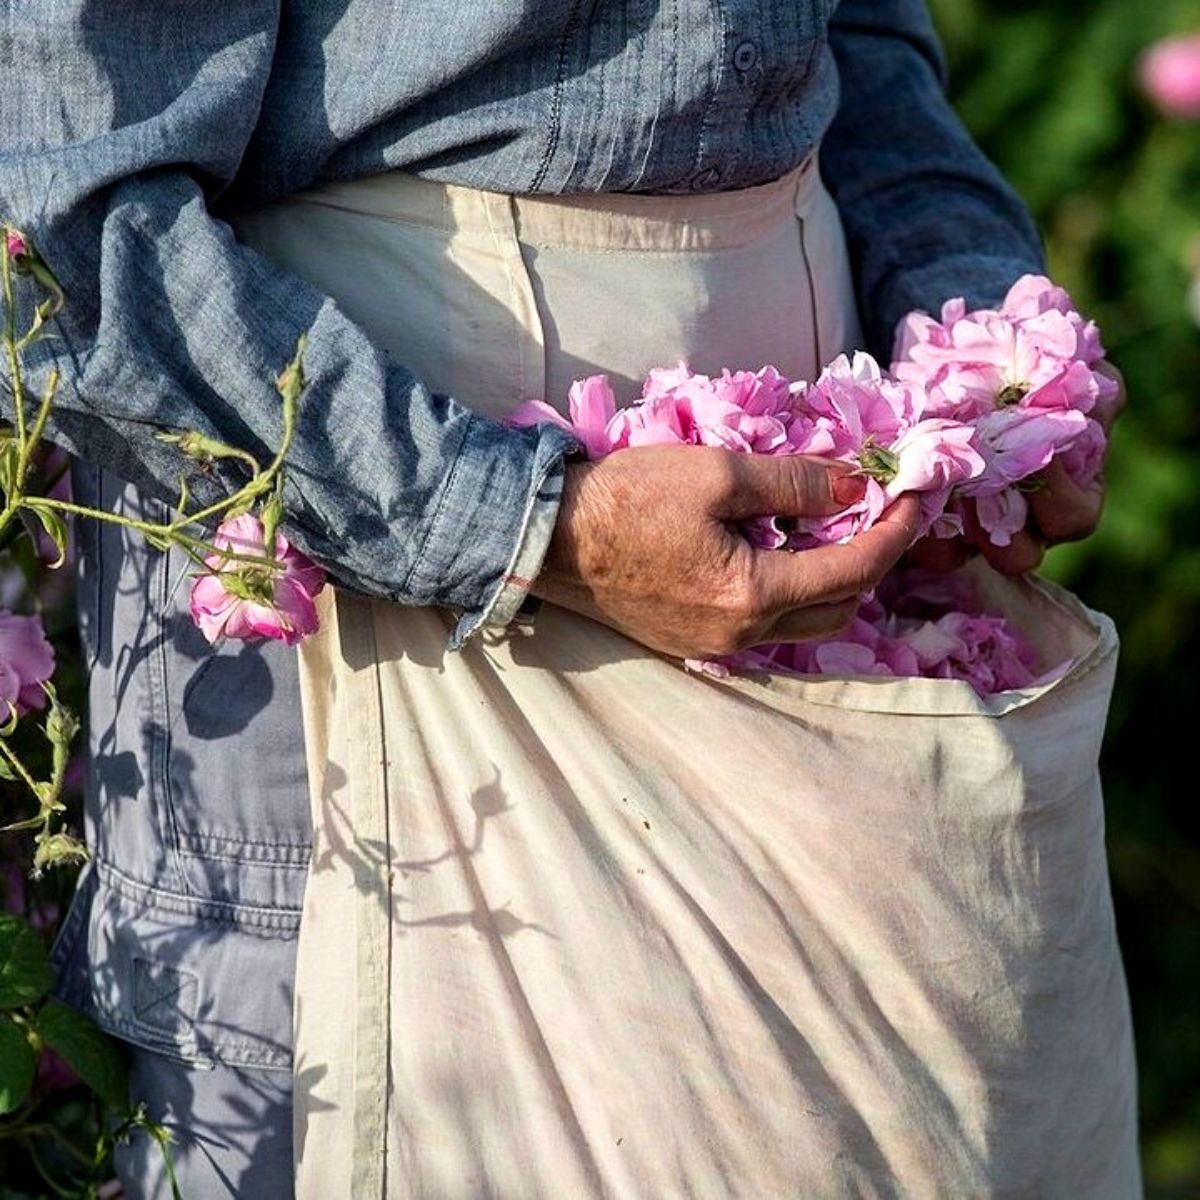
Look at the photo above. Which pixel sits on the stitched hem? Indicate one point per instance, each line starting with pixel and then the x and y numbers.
pixel 258 920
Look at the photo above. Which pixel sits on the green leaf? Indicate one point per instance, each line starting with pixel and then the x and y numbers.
pixel 56 530
pixel 37 821
pixel 88 1051
pixel 25 974
pixel 17 1064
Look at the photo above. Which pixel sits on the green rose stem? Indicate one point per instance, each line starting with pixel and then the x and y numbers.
pixel 10 343
pixel 264 488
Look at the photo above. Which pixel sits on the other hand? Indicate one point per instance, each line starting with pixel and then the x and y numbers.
pixel 1059 511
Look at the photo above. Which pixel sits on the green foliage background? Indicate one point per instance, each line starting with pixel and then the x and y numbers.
pixel 1050 92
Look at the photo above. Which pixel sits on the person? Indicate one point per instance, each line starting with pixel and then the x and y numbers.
pixel 131 136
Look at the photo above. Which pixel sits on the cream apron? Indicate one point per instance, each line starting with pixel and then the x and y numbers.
pixel 581 924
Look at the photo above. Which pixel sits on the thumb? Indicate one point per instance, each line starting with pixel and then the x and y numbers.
pixel 790 485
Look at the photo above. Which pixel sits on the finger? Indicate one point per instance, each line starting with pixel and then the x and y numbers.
pixel 814 622
pixel 789 485
pixel 940 554
pixel 1064 511
pixel 838 572
pixel 1106 411
pixel 1023 554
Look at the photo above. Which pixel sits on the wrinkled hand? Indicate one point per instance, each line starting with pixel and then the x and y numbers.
pixel 646 543
pixel 1059 511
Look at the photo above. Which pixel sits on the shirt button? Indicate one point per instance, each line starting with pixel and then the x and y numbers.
pixel 745 56
pixel 706 179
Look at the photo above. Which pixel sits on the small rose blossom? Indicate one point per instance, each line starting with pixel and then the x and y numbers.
pixel 1033 295
pixel 247 601
pixel 15 243
pixel 591 407
pixel 654 421
pixel 1036 349
pixel 26 662
pixel 744 411
pixel 918 624
pixel 1170 75
pixel 1024 376
pixel 1016 443
pixel 1083 459
pixel 879 424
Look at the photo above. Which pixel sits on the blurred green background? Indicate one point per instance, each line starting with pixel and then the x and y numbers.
pixel 1050 92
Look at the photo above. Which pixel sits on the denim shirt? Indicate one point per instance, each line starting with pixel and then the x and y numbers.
pixel 127 130
pixel 125 127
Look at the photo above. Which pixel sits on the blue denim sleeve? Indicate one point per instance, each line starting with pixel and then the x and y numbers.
pixel 119 125
pixel 927 216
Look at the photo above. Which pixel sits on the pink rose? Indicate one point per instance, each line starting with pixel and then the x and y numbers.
pixel 1033 295
pixel 26 662
pixel 247 601
pixel 1170 75
pixel 591 406
pixel 1084 458
pixel 15 243
pixel 918 624
pixel 744 411
pixel 858 414
pixel 1024 377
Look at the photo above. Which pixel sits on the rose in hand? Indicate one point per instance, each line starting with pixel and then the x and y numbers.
pixel 1032 380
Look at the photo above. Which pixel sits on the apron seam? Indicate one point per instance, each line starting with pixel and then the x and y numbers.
pixel 818 358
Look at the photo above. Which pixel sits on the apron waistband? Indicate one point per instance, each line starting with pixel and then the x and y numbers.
pixel 599 222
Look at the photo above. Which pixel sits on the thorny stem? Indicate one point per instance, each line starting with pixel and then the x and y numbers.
pixel 60 725
pixel 197 548
pixel 29 444
pixel 10 346
pixel 47 1178
pixel 18 766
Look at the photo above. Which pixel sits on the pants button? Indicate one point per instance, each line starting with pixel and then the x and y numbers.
pixel 745 56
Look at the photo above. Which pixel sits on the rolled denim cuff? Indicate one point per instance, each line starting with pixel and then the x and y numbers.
pixel 512 589
pixel 495 519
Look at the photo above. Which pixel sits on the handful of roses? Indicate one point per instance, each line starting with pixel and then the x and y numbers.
pixel 974 406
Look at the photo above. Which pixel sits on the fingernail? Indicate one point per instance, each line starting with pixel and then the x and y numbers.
pixel 848 488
